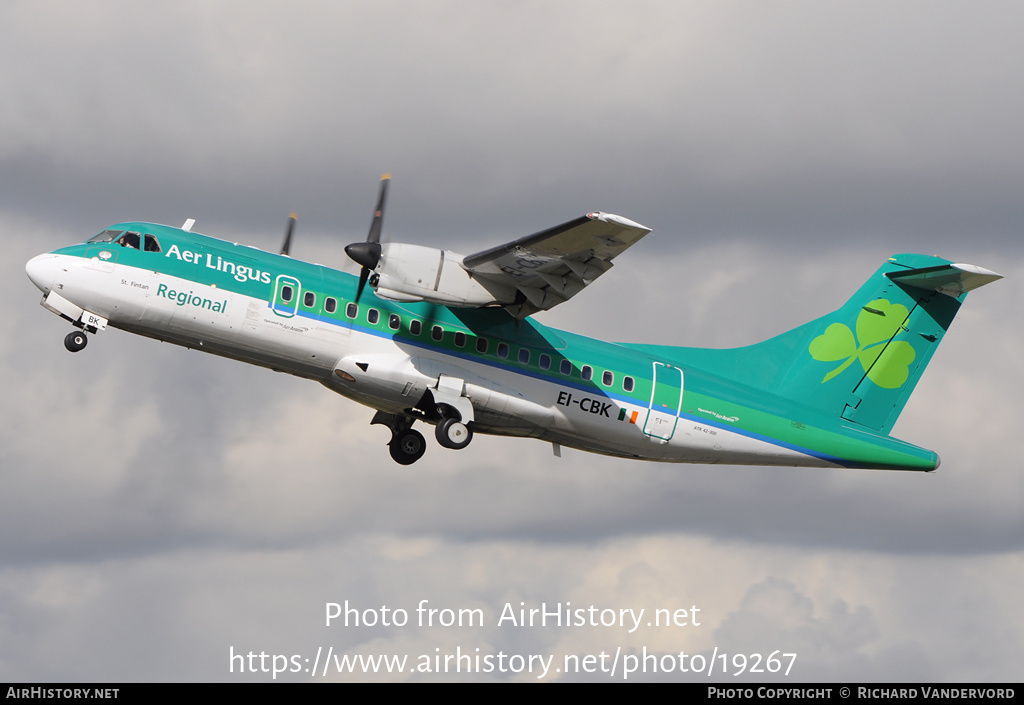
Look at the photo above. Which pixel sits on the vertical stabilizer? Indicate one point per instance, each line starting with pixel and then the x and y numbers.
pixel 862 361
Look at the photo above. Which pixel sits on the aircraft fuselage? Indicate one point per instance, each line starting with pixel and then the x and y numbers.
pixel 506 377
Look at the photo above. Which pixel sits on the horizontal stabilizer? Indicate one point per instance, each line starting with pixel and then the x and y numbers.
pixel 950 279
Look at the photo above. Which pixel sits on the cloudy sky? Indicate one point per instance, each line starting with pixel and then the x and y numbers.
pixel 160 507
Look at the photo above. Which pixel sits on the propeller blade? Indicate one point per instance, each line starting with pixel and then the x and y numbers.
pixel 364 274
pixel 367 254
pixel 287 246
pixel 378 214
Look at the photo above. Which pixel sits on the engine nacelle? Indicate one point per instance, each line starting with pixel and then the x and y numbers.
pixel 416 273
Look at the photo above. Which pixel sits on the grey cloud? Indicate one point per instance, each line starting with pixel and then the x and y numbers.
pixel 818 126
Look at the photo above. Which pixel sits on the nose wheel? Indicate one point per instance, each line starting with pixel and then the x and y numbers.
pixel 75 340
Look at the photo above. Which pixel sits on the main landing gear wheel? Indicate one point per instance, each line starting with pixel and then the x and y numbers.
pixel 452 433
pixel 75 340
pixel 407 447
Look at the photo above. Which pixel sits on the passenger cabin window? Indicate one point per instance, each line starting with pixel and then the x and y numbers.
pixel 587 372
pixel 373 315
pixel 565 367
pixel 415 327
pixel 151 244
pixel 394 321
pixel 608 378
pixel 460 339
pixel 524 356
pixel 481 345
pixel 627 383
pixel 437 332
pixel 330 304
pixel 287 293
pixel 352 310
pixel 502 350
pixel 309 299
pixel 545 361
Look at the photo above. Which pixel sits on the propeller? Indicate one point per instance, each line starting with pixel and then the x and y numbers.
pixel 287 246
pixel 367 254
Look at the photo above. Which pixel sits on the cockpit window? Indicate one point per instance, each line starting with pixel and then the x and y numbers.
pixel 106 236
pixel 152 245
pixel 129 239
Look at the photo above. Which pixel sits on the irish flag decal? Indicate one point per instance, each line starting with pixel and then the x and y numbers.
pixel 626 415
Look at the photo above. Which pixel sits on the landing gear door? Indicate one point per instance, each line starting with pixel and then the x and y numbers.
pixel 287 291
pixel 666 401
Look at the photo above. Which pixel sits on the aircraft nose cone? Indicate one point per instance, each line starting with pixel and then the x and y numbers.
pixel 41 270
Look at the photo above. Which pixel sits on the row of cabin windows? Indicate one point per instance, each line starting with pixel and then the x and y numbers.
pixel 308 299
pixel 483 344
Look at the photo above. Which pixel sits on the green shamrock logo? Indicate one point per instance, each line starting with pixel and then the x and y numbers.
pixel 887 366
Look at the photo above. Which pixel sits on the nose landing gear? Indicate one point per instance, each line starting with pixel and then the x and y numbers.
pixel 75 340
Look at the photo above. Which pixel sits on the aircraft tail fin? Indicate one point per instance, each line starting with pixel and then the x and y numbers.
pixel 862 361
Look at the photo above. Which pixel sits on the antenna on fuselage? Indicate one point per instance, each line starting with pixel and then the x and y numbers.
pixel 287 246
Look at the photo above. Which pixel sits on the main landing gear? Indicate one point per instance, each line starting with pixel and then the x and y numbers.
pixel 407 445
pixel 452 433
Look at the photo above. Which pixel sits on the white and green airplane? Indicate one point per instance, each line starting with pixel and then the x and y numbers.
pixel 448 340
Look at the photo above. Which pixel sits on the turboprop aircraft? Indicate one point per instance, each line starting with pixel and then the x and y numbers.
pixel 449 340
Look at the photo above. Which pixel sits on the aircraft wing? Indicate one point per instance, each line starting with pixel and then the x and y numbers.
pixel 552 266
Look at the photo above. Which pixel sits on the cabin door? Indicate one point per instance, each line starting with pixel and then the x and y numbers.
pixel 666 401
pixel 287 291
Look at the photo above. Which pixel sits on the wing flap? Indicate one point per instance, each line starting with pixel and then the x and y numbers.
pixel 554 265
